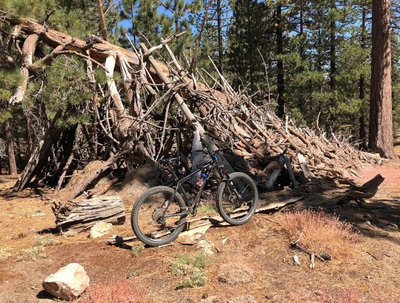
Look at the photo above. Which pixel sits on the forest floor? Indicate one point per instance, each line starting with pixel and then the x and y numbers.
pixel 30 250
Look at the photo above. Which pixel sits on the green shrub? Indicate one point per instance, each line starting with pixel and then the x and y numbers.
pixel 136 249
pixel 193 267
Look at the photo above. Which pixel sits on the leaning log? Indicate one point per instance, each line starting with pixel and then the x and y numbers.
pixel 84 214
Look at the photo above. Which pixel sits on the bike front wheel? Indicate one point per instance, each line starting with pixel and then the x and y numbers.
pixel 237 198
pixel 158 216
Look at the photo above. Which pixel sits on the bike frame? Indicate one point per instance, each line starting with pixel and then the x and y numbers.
pixel 209 170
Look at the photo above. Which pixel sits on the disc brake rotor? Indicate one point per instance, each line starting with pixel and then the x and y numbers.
pixel 158 215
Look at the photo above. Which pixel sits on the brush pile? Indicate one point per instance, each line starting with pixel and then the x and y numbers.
pixel 155 111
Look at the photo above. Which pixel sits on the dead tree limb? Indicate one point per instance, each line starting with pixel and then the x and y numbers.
pixel 28 50
pixel 89 179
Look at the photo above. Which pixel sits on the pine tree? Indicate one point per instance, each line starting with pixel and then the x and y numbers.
pixel 60 87
pixel 247 34
pixel 145 21
pixel 380 123
pixel 213 43
pixel 178 16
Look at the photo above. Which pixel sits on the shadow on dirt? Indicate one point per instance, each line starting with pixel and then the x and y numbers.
pixel 45 295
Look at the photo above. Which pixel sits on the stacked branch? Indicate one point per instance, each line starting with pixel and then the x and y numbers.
pixel 164 105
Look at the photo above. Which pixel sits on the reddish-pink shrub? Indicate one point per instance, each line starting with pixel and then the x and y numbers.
pixel 122 291
pixel 319 232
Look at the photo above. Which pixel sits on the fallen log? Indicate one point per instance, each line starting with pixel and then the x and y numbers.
pixel 84 214
pixel 74 189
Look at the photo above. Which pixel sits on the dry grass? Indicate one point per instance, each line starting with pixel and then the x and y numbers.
pixel 123 291
pixel 339 295
pixel 5 252
pixel 319 232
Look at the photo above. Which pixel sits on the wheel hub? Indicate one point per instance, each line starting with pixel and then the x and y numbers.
pixel 158 215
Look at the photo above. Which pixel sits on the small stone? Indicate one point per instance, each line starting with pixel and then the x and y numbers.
pixel 191 237
pixel 68 283
pixel 243 299
pixel 211 299
pixel 207 247
pixel 70 233
pixel 296 260
pixel 100 229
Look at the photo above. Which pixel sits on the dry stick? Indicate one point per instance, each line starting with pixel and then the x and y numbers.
pixel 142 72
pixel 226 83
pixel 127 77
pixel 249 129
pixel 50 57
pixel 186 111
pixel 38 156
pixel 70 52
pixel 192 119
pixel 107 133
pixel 65 169
pixel 163 42
pixel 156 102
pixel 228 126
pixel 178 66
pixel 92 79
pixel 82 186
pixel 112 87
pixel 266 75
pixel 102 20
pixel 163 131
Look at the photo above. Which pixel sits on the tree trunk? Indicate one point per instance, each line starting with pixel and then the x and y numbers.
pixel 39 156
pixel 84 214
pixel 363 133
pixel 220 38
pixel 380 124
pixel 12 165
pixel 29 134
pixel 281 83
pixel 332 69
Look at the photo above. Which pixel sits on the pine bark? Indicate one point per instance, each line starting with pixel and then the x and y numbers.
pixel 84 214
pixel 28 50
pixel 220 38
pixel 281 83
pixel 363 133
pixel 102 20
pixel 332 68
pixel 380 126
pixel 12 164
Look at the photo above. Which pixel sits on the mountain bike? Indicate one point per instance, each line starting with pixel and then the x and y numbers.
pixel 160 214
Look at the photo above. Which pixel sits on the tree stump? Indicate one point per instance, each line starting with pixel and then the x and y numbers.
pixel 84 214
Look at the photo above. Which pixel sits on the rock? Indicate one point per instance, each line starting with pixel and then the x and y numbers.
pixel 100 229
pixel 207 247
pixel 232 273
pixel 68 283
pixel 243 299
pixel 138 180
pixel 211 299
pixel 70 233
pixel 192 236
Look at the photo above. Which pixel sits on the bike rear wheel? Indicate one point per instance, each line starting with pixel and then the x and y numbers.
pixel 156 219
pixel 237 198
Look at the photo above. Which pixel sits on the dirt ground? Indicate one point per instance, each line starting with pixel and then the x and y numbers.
pixel 372 276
